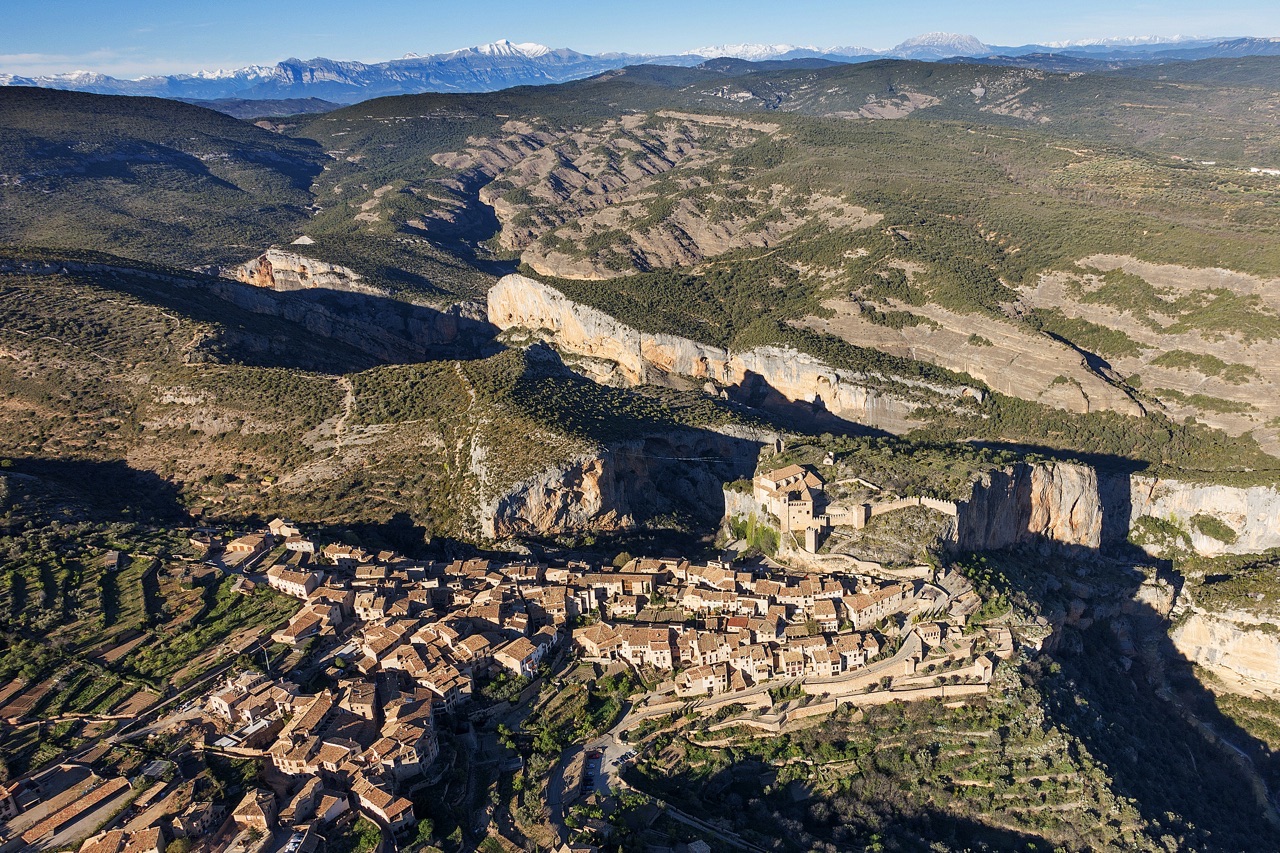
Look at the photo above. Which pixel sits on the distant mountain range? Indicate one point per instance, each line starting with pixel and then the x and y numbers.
pixel 503 64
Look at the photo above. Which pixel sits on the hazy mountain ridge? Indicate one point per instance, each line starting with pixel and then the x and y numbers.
pixel 503 64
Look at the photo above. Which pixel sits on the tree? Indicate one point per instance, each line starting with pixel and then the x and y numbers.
pixel 423 834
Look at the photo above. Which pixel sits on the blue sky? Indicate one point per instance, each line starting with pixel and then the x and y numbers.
pixel 135 37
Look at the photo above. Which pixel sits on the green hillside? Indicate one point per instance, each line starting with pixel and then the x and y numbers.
pixel 242 414
pixel 146 177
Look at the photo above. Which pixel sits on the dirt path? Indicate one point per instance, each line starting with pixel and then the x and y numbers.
pixel 348 404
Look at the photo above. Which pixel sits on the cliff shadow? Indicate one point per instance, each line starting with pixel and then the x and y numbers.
pixel 468 232
pixel 385 328
pixel 321 330
pixel 755 392
pixel 100 491
pixel 869 811
pixel 1111 676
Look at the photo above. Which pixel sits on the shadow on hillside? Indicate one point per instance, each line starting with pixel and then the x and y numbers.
pixel 1132 698
pixel 383 328
pixel 754 391
pixel 743 798
pixel 73 489
pixel 317 329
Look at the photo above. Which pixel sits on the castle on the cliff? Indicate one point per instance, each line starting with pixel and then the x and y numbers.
pixel 794 495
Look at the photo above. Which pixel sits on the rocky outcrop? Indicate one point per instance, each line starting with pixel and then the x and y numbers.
pixel 1233 644
pixel 1071 504
pixel 767 377
pixel 626 485
pixel 335 302
pixel 578 495
pixel 1252 514
pixel 280 270
pixel 741 505
pixel 1006 355
pixel 385 329
pixel 1048 503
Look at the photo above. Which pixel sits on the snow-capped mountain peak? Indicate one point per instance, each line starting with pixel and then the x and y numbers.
pixel 940 45
pixel 759 52
pixel 1123 41
pixel 504 48
pixel 750 52
pixel 249 71
pixel 532 49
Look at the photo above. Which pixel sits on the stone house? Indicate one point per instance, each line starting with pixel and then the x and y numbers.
pixel 791 495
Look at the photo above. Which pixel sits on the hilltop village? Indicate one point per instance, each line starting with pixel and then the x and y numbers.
pixel 382 651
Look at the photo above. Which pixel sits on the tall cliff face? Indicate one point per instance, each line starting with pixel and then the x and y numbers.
pixel 625 485
pixel 1049 502
pixel 1070 504
pixel 335 302
pixel 768 377
pixel 1232 644
pixel 1252 514
pixel 280 270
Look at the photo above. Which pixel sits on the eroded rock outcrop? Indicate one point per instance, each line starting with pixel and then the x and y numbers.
pixel 1047 502
pixel 335 302
pixel 1251 514
pixel 1071 504
pixel 768 377
pixel 280 270
pixel 626 485
pixel 1232 644
pixel 1008 357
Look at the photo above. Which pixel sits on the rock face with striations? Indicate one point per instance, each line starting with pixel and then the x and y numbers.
pixel 280 270
pixel 626 484
pixel 335 302
pixel 1252 514
pixel 767 376
pixel 1048 502
pixel 1234 642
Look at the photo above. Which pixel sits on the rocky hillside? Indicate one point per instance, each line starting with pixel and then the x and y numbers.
pixel 148 178
pixel 638 193
pixel 748 220
pixel 242 400
pixel 767 377
pixel 1177 116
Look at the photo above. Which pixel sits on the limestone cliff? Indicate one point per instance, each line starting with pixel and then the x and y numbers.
pixel 624 485
pixel 769 377
pixel 280 270
pixel 336 302
pixel 1071 504
pixel 577 495
pixel 741 505
pixel 1232 644
pixel 1048 502
pixel 387 330
pixel 1252 514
